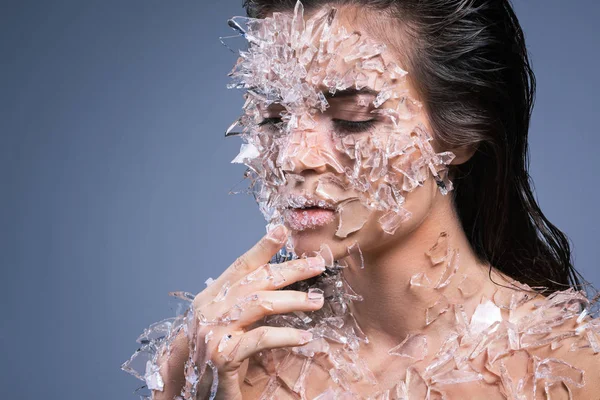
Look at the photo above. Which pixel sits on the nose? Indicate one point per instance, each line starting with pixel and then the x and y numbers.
pixel 308 150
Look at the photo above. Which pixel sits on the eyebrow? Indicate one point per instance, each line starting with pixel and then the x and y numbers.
pixel 350 92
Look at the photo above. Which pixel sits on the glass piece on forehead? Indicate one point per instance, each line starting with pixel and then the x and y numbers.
pixel 298 24
pixel 395 72
pixel 438 253
pixel 413 346
pixel 361 80
pixel 384 95
pixel 247 153
pixel 353 215
pixel 438 308
pixel 407 108
pixel 373 64
pixel 555 370
pixel 456 376
pixel 392 220
pixel 366 50
pixel 452 265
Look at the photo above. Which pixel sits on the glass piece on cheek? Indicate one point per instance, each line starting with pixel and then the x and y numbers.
pixel 414 346
pixel 330 187
pixel 352 215
pixel 436 309
pixel 392 220
pixel 439 252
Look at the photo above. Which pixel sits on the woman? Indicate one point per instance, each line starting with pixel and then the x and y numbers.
pixel 386 144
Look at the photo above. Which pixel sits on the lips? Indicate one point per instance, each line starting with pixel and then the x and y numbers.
pixel 305 212
pixel 300 219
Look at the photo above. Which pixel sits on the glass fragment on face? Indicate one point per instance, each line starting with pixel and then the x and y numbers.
pixel 295 72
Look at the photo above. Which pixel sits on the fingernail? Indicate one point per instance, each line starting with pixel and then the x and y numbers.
pixel 305 337
pixel 315 294
pixel 317 263
pixel 278 234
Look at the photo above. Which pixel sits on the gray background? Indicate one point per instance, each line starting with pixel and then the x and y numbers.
pixel 115 173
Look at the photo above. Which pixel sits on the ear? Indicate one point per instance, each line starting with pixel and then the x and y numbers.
pixel 463 154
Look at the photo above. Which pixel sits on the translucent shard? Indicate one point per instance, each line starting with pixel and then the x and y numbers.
pixel 414 346
pixel 485 315
pixel 392 220
pixel 420 279
pixel 456 376
pixel 353 215
pixel 555 370
pixel 439 252
pixel 438 308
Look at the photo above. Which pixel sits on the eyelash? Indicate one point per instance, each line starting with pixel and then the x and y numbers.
pixel 341 125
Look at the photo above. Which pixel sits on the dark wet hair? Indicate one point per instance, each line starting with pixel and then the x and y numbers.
pixel 469 63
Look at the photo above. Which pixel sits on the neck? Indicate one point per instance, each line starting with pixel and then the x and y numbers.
pixel 392 306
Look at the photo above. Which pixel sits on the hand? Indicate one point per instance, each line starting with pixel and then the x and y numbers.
pixel 220 337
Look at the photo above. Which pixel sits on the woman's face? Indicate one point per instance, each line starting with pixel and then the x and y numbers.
pixel 337 144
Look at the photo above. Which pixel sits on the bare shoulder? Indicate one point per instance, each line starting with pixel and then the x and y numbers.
pixel 562 343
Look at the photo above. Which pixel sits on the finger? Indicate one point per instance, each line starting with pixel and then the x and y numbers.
pixel 260 254
pixel 276 276
pixel 258 305
pixel 233 350
pixel 172 368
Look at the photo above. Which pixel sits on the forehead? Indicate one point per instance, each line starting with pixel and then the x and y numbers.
pixel 296 60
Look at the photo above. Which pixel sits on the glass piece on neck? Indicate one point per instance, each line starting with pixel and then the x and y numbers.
pixel 414 346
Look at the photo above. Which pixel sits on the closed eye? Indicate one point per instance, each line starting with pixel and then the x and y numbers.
pixel 346 126
pixel 270 121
